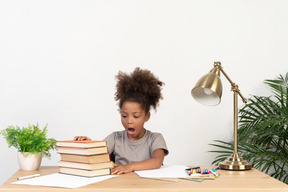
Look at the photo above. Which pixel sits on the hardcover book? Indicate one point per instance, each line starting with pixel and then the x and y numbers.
pixel 83 151
pixel 86 173
pixel 87 166
pixel 85 158
pixel 81 144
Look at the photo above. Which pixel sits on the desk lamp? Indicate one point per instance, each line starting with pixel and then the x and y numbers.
pixel 208 91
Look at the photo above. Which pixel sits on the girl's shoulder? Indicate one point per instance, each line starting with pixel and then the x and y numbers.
pixel 153 135
pixel 118 134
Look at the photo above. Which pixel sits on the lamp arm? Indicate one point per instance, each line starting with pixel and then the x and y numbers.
pixel 235 161
pixel 234 87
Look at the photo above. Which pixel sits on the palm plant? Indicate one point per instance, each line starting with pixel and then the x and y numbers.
pixel 263 132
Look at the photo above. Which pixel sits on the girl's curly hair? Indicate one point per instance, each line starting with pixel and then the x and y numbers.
pixel 140 86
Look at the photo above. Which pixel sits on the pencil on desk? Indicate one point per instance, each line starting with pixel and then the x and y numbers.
pixel 28 176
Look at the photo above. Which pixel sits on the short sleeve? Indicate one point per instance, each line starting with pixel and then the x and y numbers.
pixel 158 142
pixel 110 142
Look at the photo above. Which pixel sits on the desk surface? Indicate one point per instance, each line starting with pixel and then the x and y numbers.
pixel 251 180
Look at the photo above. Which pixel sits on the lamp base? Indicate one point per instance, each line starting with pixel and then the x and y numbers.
pixel 235 163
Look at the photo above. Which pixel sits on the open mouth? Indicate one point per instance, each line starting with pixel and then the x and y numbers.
pixel 131 130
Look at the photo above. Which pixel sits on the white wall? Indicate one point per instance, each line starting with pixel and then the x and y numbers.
pixel 59 60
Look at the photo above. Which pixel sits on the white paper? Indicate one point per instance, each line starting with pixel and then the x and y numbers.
pixel 63 180
pixel 172 171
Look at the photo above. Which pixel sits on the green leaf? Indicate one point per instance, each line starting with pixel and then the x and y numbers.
pixel 263 132
pixel 29 139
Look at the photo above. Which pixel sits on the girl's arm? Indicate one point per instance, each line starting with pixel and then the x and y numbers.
pixel 154 163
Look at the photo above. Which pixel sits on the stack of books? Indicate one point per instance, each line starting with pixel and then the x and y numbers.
pixel 87 158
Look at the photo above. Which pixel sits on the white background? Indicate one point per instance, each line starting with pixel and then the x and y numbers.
pixel 59 60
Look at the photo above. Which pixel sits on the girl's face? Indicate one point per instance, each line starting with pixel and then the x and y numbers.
pixel 133 118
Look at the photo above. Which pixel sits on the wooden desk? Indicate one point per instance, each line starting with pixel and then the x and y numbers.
pixel 251 181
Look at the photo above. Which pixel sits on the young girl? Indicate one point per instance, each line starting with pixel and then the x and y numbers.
pixel 136 148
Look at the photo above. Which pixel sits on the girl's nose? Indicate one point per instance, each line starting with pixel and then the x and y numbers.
pixel 129 120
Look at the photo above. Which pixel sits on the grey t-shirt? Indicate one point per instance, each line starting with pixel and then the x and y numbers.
pixel 127 151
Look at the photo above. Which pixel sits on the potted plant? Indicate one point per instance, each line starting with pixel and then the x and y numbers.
pixel 31 143
pixel 263 132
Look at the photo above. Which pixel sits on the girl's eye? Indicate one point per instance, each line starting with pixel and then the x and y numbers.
pixel 136 117
pixel 124 116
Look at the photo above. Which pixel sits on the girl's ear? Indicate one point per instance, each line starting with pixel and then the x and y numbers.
pixel 147 117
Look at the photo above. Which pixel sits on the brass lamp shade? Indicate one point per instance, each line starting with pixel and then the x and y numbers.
pixel 208 90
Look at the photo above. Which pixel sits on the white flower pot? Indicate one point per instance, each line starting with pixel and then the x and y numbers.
pixel 29 161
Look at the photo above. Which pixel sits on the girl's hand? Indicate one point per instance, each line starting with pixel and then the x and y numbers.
pixel 81 138
pixel 121 169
